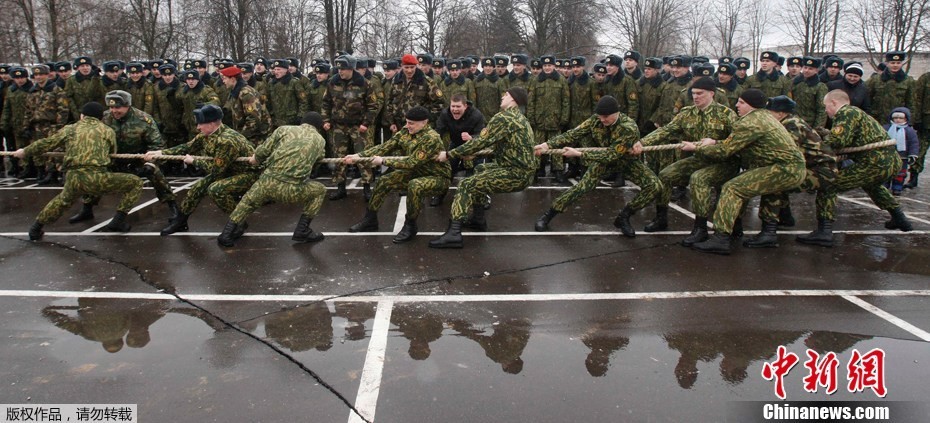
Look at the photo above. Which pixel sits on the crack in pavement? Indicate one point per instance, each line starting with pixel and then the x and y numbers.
pixel 232 325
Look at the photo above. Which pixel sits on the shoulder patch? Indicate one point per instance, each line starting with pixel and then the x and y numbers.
pixel 837 130
pixel 438 93
pixel 633 96
pixel 421 155
pixel 219 162
pixel 484 133
pixel 621 149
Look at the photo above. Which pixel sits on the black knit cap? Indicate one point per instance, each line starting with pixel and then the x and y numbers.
pixel 93 109
pixel 754 98
pixel 314 119
pixel 519 95
pixel 417 114
pixel 607 105
pixel 704 83
pixel 781 104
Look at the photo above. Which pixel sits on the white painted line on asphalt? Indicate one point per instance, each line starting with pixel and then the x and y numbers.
pixel 354 183
pixel 401 215
pixel 914 330
pixel 874 207
pixel 137 208
pixel 474 298
pixel 370 383
pixel 914 200
pixel 471 234
pixel 681 210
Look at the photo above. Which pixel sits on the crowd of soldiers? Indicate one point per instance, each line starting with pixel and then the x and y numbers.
pixel 520 106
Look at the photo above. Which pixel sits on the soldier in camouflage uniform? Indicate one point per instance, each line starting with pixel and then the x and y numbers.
pixel 5 83
pixel 244 111
pixel 83 87
pixel 767 79
pixel 456 83
pixel 650 89
pixel 772 161
pixel 584 95
pixel 287 100
pixel 742 66
pixel 391 68
pixel 141 90
pixel 726 81
pixel 216 82
pixel 870 169
pixel 64 73
pixel 439 70
pixel 15 122
pixel 699 71
pixel 88 145
pixel 487 89
pixel 617 132
pixel 680 78
pixel 47 111
pixel 922 125
pixel 113 78
pixel 548 110
pixel 621 87
pixel 372 136
pixel 321 75
pixel 288 156
pixel 807 91
pixel 706 119
pixel 510 134
pixel 225 177
pixel 411 87
pixel 136 133
pixel 168 107
pixel 519 76
pixel 794 67
pixel 419 174
pixel 194 95
pixel 892 88
pixel 249 75
pixel 350 107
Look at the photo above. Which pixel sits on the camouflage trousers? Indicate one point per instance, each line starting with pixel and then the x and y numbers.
pixel 556 162
pixel 633 169
pixel 922 153
pixel 816 178
pixel 40 132
pixel 223 191
pixel 94 182
pixel 418 188
pixel 145 170
pixel 345 139
pixel 658 160
pixel 310 194
pixel 869 173
pixel 489 178
pixel 754 182
pixel 704 177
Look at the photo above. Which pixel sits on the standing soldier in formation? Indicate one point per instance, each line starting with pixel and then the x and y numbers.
pixel 47 111
pixel 216 82
pixel 892 88
pixel 391 68
pixel 487 89
pixel 794 67
pixel 261 68
pixel 83 87
pixel 832 66
pixel 631 61
pixel 650 88
pixel 136 133
pixel 411 87
pixel 500 66
pixel 248 74
pixel 5 83
pixel 742 66
pixel 726 81
pixel 457 83
pixel 194 95
pixel 419 174
pixel 321 75
pixel 583 92
pixel 112 78
pixel 425 64
pixel 287 102
pixel 621 87
pixel 350 107
pixel 88 145
pixel 768 79
pixel 680 72
pixel 64 73
pixel 807 91
pixel 372 136
pixel 244 111
pixel 519 76
pixel 548 110
pixel 439 70
pixel 15 121
pixel 168 108
pixel 141 90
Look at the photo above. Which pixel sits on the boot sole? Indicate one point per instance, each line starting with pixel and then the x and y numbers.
pixel 659 229
pixel 306 240
pixel 817 243
pixel 365 229
pixel 163 233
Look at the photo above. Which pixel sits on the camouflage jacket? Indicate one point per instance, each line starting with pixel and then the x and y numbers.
pixel 815 152
pixel 732 90
pixel 888 91
pixel 224 145
pixel 759 139
pixel 15 119
pixel 619 138
pixel 290 152
pixel 88 144
pixel 549 104
pixel 143 95
pixel 136 132
pixel 246 113
pixel 421 150
pixel 510 134
pixel 623 88
pixel 692 124
pixel 771 84
pixel 377 86
pixel 852 127
pixel 287 100
pixel 417 91
pixel 82 89
pixel 808 94
pixel 650 95
pixel 220 90
pixel 583 98
pixel 351 102
pixel 47 108
pixel 168 107
pixel 512 80
pixel 488 94
pixel 462 85
pixel 315 95
pixel 668 98
pixel 192 99
pixel 685 99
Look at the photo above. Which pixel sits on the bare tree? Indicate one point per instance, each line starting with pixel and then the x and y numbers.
pixel 343 22
pixel 758 25
pixel 891 25
pixel 386 36
pixel 541 17
pixel 504 34
pixel 727 30
pixel 809 23
pixel 696 29
pixel 154 25
pixel 577 29
pixel 652 27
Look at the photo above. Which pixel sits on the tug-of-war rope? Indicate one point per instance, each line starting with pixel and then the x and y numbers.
pixel 559 151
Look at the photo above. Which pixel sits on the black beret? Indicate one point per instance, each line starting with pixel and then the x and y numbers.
pixel 519 95
pixel 63 66
pixel 417 114
pixel 704 83
pixel 208 113
pixel 768 55
pixel 781 104
pixel 754 98
pixel 653 62
pixel 578 61
pixel 742 63
pixel 424 58
pixel 809 61
pixel 92 109
pixel 633 54
pixel 607 105
pixel 501 60
pixel 727 69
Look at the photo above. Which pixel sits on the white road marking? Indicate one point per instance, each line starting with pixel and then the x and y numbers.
pixel 137 208
pixel 401 215
pixel 474 234
pixel 913 330
pixel 370 383
pixel 874 207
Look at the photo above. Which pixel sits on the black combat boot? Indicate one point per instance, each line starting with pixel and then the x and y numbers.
pixel 717 244
pixel 407 232
pixel 822 236
pixel 28 171
pixel 41 176
pixel 118 223
pixel 698 234
pixel 679 193
pixel 176 225
pixel 86 213
pixel 366 191
pixel 304 233
pixel 619 181
pixel 785 218
pixel 451 239
pixel 437 200
pixel 542 224
pixel 767 238
pixel 476 222
pixel 340 192
pixel 173 209
pixel 35 231
pixel 226 238
pixel 660 223
pixel 623 222
pixel 559 177
pixel 14 168
pixel 912 181
pixel 898 221
pixel 50 177
pixel 240 230
pixel 737 228
pixel 368 223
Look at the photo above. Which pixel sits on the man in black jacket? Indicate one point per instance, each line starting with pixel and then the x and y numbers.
pixel 852 84
pixel 458 123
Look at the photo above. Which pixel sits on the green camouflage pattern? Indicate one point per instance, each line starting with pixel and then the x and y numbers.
pixel 650 96
pixel 290 152
pixel 143 95
pixel 88 143
pixel 703 177
pixel 549 106
pixel 668 97
pixel 193 99
pixel 685 99
pixel 15 121
pixel 488 95
pixel 168 110
pixel 81 90
pixel 248 115
pixel 771 88
pixel 809 101
pixel 417 91
pixel 315 95
pixel 462 85
pixel 226 192
pixel 345 140
pixel 266 189
pixel 420 150
pixel 624 89
pixel 693 124
pixel 94 182
pixel 583 96
pixel 287 100
pixel 884 96
pixel 489 178
pixel 418 188
pixel 47 109
pixel 351 102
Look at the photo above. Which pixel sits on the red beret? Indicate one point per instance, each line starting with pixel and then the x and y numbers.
pixel 408 59
pixel 231 71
